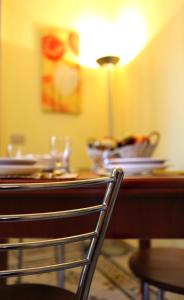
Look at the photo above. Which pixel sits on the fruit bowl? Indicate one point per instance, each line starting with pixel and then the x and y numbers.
pixel 142 147
pixel 129 147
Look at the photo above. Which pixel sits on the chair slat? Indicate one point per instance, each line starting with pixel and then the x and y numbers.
pixel 57 184
pixel 44 269
pixel 50 242
pixel 53 215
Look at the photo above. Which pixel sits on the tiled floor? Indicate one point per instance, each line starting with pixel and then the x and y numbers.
pixel 113 278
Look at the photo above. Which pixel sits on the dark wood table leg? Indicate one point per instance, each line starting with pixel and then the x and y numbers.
pixel 144 244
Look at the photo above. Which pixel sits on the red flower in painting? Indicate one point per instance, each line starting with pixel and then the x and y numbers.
pixel 53 48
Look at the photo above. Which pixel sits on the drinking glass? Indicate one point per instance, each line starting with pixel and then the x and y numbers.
pixel 60 149
pixel 14 147
pixel 14 151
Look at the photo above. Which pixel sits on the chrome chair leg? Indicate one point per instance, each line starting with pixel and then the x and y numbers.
pixel 59 256
pixel 145 291
pixel 160 294
pixel 19 261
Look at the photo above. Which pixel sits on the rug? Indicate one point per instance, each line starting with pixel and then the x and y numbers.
pixel 112 280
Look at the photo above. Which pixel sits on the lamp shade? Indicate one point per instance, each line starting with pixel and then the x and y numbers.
pixel 105 60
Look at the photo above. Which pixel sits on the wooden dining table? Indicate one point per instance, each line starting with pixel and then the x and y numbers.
pixel 147 207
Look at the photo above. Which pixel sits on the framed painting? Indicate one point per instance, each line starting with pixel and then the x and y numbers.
pixel 60 71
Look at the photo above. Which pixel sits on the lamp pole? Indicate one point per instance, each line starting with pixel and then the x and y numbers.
pixel 108 62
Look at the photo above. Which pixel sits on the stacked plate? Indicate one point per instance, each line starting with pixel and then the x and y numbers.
pixel 136 165
pixel 18 166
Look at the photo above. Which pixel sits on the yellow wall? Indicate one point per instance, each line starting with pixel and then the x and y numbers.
pixel 151 91
pixel 21 107
pixel 148 92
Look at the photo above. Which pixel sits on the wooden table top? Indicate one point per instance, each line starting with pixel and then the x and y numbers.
pixel 141 181
pixel 147 206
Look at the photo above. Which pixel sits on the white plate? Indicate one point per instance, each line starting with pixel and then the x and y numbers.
pixel 134 169
pixel 10 161
pixel 18 170
pixel 134 160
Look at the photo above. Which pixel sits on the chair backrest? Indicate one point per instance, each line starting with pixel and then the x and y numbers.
pixel 102 212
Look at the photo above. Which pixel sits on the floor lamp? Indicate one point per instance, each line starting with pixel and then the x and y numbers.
pixel 108 61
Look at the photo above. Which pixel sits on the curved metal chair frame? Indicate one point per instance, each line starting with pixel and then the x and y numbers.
pixel 96 237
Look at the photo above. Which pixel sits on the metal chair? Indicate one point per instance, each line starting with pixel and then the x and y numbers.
pixel 162 268
pixel 100 214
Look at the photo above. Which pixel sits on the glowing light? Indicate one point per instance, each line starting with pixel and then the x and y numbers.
pixel 132 35
pixel 95 40
pixel 123 38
